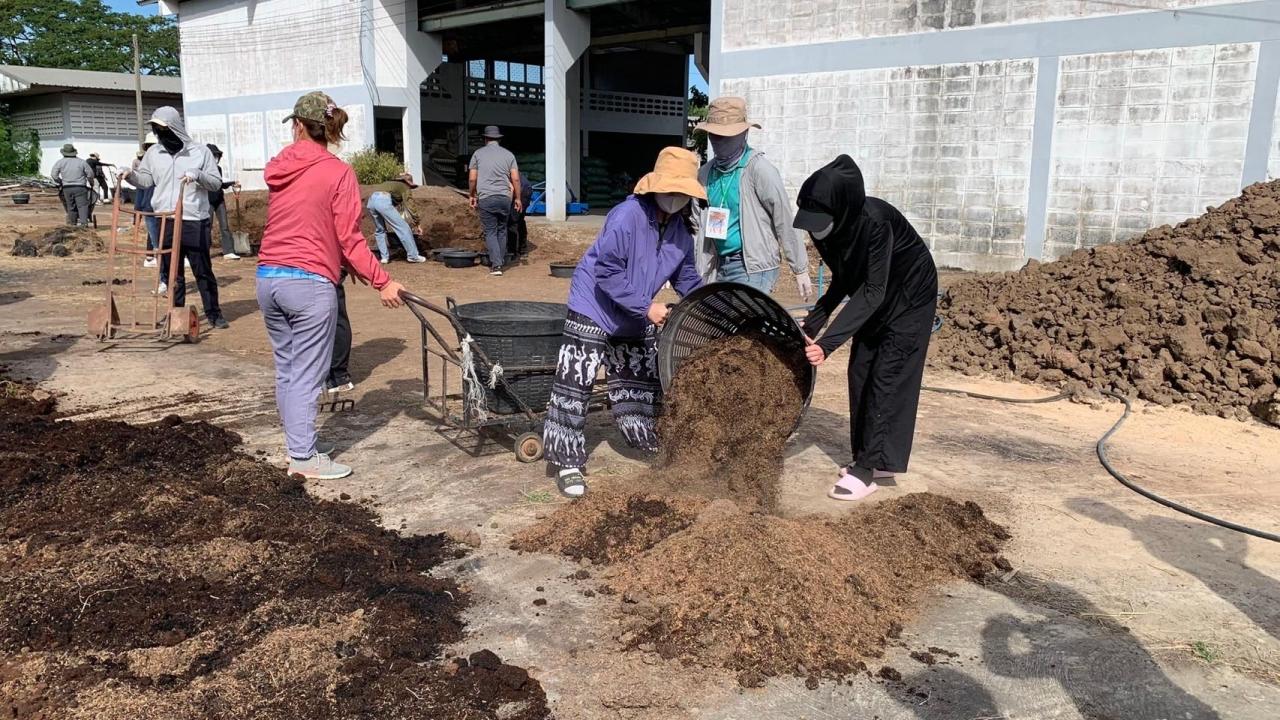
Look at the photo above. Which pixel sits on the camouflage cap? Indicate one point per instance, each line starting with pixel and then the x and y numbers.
pixel 314 106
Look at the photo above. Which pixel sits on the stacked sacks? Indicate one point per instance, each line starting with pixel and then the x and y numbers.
pixel 1184 314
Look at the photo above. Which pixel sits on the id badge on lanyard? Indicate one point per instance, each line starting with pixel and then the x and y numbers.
pixel 717 225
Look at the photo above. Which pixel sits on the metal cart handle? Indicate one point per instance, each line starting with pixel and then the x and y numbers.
pixel 416 305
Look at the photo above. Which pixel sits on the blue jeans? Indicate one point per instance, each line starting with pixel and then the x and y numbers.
pixel 301 315
pixel 384 213
pixel 153 231
pixel 732 269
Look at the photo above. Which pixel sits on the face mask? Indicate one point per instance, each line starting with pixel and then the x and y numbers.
pixel 824 232
pixel 167 138
pixel 728 150
pixel 671 203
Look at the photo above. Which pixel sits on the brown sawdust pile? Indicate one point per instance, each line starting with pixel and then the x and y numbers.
pixel 152 572
pixel 705 574
pixel 1185 314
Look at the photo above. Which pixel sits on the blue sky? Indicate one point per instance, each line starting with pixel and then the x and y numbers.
pixel 131 6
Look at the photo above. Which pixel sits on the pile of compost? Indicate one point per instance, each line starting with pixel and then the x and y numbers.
pixel 1184 314
pixel 155 572
pixel 705 573
pixel 727 416
pixel 58 242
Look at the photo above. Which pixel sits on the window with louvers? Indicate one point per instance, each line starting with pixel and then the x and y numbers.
pixel 47 122
pixel 105 119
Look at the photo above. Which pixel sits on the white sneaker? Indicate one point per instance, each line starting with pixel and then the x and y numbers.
pixel 149 262
pixel 495 272
pixel 162 289
pixel 417 259
pixel 186 263
pixel 230 256
pixel 384 261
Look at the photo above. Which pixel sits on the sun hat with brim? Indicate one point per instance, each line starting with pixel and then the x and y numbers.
pixel 407 179
pixel 676 171
pixel 727 116
pixel 68 150
pixel 314 106
pixel 491 132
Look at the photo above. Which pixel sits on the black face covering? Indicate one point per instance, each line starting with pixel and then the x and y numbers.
pixel 836 190
pixel 167 138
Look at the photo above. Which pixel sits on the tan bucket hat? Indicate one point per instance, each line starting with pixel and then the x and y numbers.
pixel 727 116
pixel 676 171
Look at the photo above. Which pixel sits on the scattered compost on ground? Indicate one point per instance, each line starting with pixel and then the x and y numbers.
pixel 1184 314
pixel 58 242
pixel 155 572
pixel 705 574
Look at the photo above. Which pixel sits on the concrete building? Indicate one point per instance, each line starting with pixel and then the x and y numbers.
pixel 1014 129
pixel 93 110
pixel 570 78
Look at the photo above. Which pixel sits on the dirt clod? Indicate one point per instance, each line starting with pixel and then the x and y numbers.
pixel 890 674
pixel 58 242
pixel 1185 314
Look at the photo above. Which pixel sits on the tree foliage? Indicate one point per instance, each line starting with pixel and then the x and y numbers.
pixel 84 35
pixel 698 102
pixel 19 151
pixel 373 167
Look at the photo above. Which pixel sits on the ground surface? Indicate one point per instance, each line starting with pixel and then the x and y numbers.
pixel 1118 609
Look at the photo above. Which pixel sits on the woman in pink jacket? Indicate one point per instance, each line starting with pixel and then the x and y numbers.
pixel 312 231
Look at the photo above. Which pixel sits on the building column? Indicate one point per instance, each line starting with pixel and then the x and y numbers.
pixel 567 35
pixel 423 54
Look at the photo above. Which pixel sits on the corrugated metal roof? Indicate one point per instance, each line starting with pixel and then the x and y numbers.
pixel 17 79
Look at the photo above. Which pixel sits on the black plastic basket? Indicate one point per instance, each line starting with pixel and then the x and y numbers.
pixel 721 310
pixel 524 338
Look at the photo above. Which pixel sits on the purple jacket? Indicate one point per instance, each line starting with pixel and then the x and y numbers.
pixel 628 264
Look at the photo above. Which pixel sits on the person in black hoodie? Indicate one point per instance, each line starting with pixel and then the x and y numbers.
pixel 882 266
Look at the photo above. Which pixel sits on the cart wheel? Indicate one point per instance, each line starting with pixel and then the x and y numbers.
pixel 529 447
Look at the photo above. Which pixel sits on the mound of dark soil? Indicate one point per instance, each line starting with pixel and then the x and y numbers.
pixel 1185 314
pixel 154 572
pixel 58 242
pixel 728 415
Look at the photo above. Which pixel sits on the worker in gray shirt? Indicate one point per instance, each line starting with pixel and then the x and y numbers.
pixel 176 157
pixel 495 191
pixel 75 182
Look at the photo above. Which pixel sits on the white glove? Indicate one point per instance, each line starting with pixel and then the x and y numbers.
pixel 191 175
pixel 804 286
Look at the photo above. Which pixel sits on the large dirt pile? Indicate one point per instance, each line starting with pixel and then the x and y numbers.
pixel 447 218
pixel 719 583
pixel 1184 314
pixel 153 572
pixel 58 242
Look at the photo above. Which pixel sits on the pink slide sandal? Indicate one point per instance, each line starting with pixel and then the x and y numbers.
pixel 849 488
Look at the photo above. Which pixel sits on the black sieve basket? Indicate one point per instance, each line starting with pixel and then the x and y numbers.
pixel 721 310
pixel 523 337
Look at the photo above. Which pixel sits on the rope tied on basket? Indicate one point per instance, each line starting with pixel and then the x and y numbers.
pixel 472 387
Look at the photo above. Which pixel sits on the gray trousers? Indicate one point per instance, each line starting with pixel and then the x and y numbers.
pixel 78 203
pixel 301 315
pixel 494 210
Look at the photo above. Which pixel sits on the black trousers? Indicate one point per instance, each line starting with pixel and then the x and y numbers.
pixel 194 248
pixel 517 234
pixel 338 372
pixel 885 373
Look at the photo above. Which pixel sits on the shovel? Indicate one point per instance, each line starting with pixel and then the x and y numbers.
pixel 240 238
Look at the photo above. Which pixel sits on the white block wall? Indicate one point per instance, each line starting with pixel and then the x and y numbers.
pixel 950 145
pixel 762 23
pixel 1146 138
pixel 255 48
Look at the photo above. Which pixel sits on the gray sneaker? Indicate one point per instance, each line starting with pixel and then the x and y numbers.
pixel 319 467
